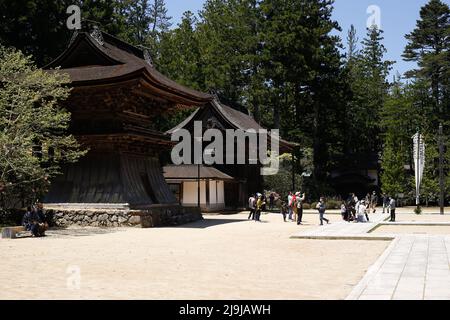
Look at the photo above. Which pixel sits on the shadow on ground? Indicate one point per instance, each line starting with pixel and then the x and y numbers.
pixel 79 232
pixel 208 223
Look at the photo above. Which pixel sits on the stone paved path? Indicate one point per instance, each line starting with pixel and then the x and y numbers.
pixel 342 229
pixel 414 267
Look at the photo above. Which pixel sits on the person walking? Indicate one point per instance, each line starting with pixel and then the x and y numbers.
pixel 252 207
pixel 300 201
pixel 386 201
pixel 373 202
pixel 321 207
pixel 392 206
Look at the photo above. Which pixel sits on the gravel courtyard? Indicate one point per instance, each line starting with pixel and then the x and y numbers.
pixel 222 257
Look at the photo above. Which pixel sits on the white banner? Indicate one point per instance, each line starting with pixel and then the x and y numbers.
pixel 419 162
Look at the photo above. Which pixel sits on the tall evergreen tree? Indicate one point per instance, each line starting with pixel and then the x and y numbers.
pixel 429 46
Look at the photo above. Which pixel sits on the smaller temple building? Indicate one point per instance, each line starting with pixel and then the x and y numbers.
pixel 246 178
pixel 186 180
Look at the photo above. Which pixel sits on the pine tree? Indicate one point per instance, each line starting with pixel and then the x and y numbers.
pixel 429 46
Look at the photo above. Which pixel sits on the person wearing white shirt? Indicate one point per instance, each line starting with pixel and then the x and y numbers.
pixel 362 210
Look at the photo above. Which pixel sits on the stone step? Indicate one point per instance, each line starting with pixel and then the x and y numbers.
pixel 14 232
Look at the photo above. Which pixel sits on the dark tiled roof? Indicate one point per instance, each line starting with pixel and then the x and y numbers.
pixel 237 120
pixel 190 172
pixel 122 60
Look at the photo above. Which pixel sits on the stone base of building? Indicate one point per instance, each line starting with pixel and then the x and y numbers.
pixel 148 218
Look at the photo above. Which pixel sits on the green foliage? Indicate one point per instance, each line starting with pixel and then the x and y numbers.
pixel 420 104
pixel 33 141
pixel 418 210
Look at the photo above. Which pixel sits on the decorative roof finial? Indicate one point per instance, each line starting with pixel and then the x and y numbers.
pixel 72 38
pixel 97 35
pixel 148 57
pixel 214 94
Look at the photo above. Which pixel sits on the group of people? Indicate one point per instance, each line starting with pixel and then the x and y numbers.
pixel 293 208
pixel 34 220
pixel 354 209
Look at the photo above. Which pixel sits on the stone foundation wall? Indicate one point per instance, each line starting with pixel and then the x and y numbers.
pixel 157 217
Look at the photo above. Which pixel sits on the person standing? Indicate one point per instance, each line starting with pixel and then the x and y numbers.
pixel 300 201
pixel 290 197
pixel 374 202
pixel 252 207
pixel 295 206
pixel 259 205
pixel 321 207
pixel 284 210
pixel 344 212
pixel 362 211
pixel 392 206
pixel 386 201
pixel 271 201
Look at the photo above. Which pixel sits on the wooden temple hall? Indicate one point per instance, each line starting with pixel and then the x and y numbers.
pixel 116 95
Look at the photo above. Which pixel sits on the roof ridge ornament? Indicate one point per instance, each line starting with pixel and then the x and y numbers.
pixel 73 37
pixel 148 57
pixel 96 34
pixel 214 94
pixel 146 54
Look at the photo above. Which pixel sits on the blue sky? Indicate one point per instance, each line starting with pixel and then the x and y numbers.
pixel 398 17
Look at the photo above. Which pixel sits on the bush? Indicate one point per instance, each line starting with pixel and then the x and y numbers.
pixel 333 204
pixel 306 206
pixel 330 205
pixel 418 210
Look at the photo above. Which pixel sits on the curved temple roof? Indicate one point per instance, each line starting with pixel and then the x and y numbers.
pixel 99 58
pixel 235 119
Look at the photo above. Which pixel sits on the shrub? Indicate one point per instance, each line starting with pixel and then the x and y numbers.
pixel 418 210
pixel 333 204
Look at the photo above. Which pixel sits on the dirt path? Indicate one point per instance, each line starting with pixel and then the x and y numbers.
pixel 223 257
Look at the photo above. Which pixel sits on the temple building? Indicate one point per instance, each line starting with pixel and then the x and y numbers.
pixel 116 94
pixel 246 178
pixel 187 182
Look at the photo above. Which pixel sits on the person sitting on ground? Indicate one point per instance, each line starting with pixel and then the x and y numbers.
pixel 42 217
pixel 33 223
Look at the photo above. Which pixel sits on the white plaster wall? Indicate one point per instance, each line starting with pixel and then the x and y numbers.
pixel 212 193
pixel 190 193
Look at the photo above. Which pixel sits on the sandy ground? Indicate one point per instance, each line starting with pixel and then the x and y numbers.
pixel 433 230
pixel 223 257
pixel 422 217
